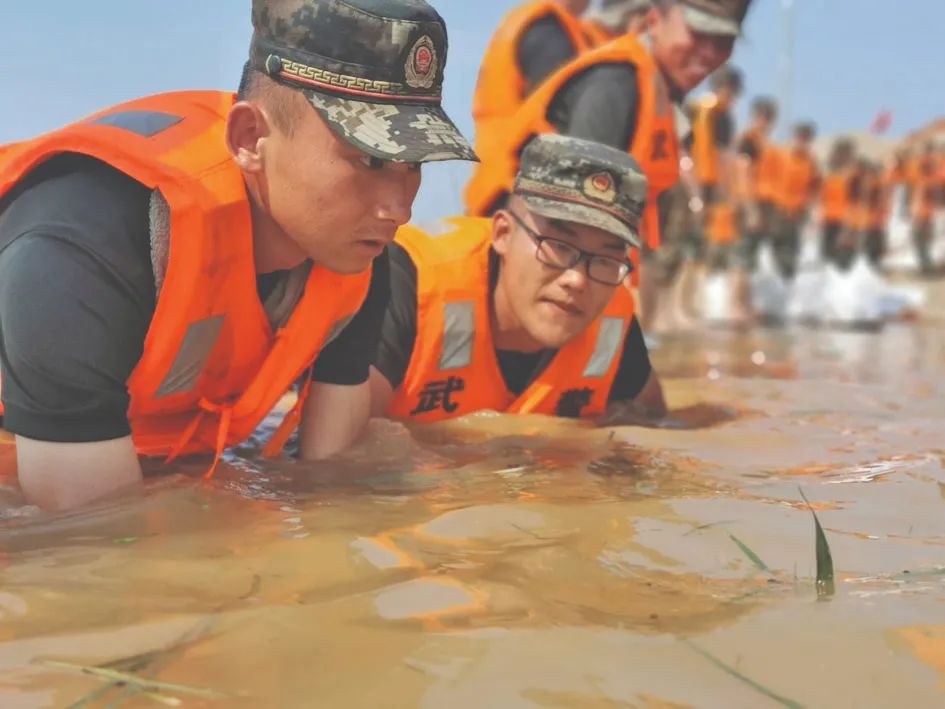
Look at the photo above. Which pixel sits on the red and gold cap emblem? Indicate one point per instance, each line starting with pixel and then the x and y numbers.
pixel 422 63
pixel 600 186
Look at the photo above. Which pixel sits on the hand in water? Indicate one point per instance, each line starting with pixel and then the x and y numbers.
pixel 688 418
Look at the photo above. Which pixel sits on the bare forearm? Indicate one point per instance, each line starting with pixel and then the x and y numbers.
pixel 645 407
pixel 62 476
pixel 333 418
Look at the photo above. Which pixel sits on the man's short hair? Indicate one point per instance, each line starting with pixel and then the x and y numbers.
pixel 282 103
pixel 805 130
pixel 764 107
pixel 728 77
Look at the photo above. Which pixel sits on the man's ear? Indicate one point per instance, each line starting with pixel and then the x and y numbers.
pixel 247 128
pixel 502 227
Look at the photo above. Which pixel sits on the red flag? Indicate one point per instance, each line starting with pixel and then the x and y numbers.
pixel 882 122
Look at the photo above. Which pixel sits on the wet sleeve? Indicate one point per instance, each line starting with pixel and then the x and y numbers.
pixel 68 343
pixel 347 360
pixel 400 321
pixel 600 105
pixel 544 47
pixel 634 368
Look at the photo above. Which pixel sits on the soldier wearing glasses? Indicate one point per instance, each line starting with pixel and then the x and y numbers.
pixel 526 311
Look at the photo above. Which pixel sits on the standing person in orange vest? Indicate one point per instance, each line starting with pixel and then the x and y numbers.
pixel 532 42
pixel 198 252
pixel 757 177
pixel 712 172
pixel 624 94
pixel 836 200
pixel 923 203
pixel 798 187
pixel 874 214
pixel 524 312
pixel 615 18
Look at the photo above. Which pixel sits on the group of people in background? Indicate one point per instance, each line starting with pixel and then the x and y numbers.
pixel 561 66
pixel 200 254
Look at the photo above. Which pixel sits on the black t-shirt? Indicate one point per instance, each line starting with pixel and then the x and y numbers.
pixel 724 129
pixel 544 47
pixel 77 296
pixel 600 104
pixel 518 369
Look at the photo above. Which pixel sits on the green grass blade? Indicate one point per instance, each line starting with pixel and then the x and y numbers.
pixel 825 577
pixel 134 680
pixel 93 696
pixel 752 556
pixel 728 669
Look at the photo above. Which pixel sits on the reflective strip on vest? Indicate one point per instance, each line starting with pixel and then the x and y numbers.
pixel 459 329
pixel 144 123
pixel 193 355
pixel 608 344
pixel 438 227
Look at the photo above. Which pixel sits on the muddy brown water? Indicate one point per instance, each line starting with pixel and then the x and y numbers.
pixel 524 562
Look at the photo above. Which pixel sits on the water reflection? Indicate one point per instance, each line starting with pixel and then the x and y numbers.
pixel 508 561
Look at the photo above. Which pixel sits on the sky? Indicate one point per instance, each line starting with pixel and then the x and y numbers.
pixel 63 59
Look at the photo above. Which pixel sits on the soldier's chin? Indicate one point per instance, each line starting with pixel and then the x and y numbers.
pixel 554 338
pixel 347 264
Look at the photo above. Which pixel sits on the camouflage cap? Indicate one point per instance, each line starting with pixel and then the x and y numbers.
pixel 372 68
pixel 721 17
pixel 582 181
pixel 616 13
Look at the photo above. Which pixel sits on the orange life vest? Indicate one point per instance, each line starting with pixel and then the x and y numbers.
pixel 596 33
pixel 501 87
pixel 835 196
pixel 770 165
pixel 926 180
pixel 797 183
pixel 655 145
pixel 212 367
pixel 721 224
pixel 705 151
pixel 923 198
pixel 454 370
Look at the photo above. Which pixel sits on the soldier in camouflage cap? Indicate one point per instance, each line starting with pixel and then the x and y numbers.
pixel 253 226
pixel 583 182
pixel 372 68
pixel 526 311
pixel 715 17
pixel 616 17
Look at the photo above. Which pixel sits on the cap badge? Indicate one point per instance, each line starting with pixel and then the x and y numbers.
pixel 421 65
pixel 600 186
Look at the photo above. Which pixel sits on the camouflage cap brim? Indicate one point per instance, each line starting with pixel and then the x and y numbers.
pixel 580 214
pixel 398 132
pixel 617 14
pixel 707 23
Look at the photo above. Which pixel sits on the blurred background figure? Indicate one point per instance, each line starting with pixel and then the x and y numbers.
pixel 531 42
pixel 798 187
pixel 925 196
pixel 614 18
pixel 836 199
pixel 711 172
pixel 757 172
pixel 874 213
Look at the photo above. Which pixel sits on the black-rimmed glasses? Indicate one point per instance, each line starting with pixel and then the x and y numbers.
pixel 561 255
